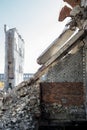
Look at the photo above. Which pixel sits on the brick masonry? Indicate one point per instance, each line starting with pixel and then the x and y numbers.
pixel 62 90
pixel 62 101
pixel 69 69
pixel 66 94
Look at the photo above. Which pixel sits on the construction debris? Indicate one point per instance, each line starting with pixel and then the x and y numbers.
pixel 23 108
pixel 20 108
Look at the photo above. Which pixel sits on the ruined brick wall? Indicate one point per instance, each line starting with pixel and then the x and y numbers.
pixel 62 91
pixel 62 101
pixel 66 93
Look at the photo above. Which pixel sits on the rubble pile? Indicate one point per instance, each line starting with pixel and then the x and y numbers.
pixel 20 108
pixel 63 113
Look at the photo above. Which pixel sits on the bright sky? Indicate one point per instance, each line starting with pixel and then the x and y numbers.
pixel 37 23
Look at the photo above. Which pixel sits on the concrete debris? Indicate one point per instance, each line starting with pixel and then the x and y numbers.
pixel 76 10
pixel 78 18
pixel 20 109
pixel 78 14
pixel 84 3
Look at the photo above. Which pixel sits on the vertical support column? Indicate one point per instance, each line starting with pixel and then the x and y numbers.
pixel 85 72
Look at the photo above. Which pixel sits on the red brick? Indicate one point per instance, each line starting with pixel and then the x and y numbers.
pixel 73 3
pixel 65 12
pixel 67 94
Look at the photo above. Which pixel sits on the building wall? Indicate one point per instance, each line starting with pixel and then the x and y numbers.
pixel 9 60
pixel 26 76
pixel 18 58
pixel 69 69
pixel 14 58
pixel 2 77
pixel 62 101
pixel 62 89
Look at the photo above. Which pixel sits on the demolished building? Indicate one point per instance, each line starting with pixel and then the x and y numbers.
pixel 57 93
pixel 14 58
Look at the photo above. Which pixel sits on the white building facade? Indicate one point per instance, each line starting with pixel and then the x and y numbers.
pixel 14 58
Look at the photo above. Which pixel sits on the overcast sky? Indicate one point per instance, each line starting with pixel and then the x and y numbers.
pixel 37 23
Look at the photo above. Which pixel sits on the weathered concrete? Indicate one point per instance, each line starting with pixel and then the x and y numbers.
pixel 14 58
pixel 54 47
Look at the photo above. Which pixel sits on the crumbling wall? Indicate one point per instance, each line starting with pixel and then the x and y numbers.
pixel 20 109
pixel 62 101
pixel 62 91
